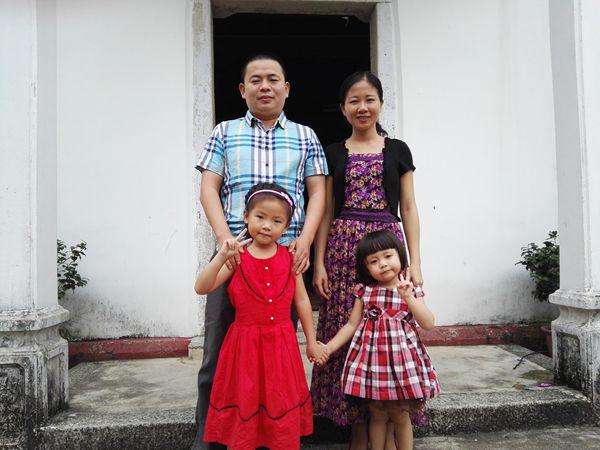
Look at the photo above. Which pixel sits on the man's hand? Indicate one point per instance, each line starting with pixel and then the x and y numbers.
pixel 301 250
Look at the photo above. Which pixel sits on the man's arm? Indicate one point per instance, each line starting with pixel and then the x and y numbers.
pixel 315 186
pixel 210 187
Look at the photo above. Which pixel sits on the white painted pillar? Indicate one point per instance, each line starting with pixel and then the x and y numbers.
pixel 384 64
pixel 33 357
pixel 204 121
pixel 575 46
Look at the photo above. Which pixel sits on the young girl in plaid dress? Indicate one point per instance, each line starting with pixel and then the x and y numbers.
pixel 387 364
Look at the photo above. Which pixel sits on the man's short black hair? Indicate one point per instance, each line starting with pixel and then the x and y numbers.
pixel 258 57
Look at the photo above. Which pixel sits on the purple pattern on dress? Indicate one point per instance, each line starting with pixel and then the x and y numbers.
pixel 364 190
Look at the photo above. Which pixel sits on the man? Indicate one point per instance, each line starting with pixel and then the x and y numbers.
pixel 263 146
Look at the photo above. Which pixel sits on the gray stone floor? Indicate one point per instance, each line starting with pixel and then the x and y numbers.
pixel 570 438
pixel 170 383
pixel 150 404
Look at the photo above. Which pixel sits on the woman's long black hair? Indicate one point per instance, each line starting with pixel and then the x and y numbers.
pixel 370 78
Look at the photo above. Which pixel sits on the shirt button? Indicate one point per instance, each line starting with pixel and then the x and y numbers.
pixel 267 164
pixel 272 318
pixel 266 268
pixel 270 300
pixel 268 284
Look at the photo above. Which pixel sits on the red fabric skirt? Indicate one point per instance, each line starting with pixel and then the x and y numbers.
pixel 259 396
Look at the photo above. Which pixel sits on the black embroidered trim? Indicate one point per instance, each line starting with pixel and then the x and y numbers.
pixel 261 406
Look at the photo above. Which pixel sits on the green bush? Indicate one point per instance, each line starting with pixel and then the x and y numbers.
pixel 542 263
pixel 67 262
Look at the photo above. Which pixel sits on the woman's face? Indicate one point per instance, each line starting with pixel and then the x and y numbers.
pixel 362 106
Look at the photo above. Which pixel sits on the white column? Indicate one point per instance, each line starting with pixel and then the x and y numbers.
pixel 204 121
pixel 33 357
pixel 384 64
pixel 575 46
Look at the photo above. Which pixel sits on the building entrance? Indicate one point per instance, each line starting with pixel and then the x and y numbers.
pixel 319 51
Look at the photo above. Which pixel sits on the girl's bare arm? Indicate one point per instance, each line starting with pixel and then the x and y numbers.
pixel 348 330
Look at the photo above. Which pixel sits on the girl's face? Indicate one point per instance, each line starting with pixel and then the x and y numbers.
pixel 267 220
pixel 384 266
pixel 362 106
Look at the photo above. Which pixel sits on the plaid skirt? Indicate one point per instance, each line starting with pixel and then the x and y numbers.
pixel 386 359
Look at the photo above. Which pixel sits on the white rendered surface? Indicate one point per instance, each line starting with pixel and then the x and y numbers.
pixel 28 155
pixel 476 109
pixel 478 115
pixel 125 165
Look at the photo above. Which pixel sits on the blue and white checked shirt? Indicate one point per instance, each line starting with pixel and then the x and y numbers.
pixel 244 153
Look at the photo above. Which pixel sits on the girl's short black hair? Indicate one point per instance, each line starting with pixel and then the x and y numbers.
pixel 261 195
pixel 375 242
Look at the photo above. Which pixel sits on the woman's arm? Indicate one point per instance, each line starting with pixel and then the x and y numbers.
pixel 320 279
pixel 410 220
pixel 348 330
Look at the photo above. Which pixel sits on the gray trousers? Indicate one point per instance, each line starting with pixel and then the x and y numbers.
pixel 219 315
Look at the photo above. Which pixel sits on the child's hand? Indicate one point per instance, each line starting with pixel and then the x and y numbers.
pixel 317 354
pixel 233 246
pixel 405 288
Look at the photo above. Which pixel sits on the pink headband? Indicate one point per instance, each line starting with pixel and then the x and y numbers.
pixel 279 194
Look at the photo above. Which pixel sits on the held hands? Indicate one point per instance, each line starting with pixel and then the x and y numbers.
pixel 231 249
pixel 318 354
pixel 301 250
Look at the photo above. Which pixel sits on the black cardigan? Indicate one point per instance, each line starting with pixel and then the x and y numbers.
pixel 397 160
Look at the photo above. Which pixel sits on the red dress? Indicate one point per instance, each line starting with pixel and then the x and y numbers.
pixel 259 395
pixel 386 359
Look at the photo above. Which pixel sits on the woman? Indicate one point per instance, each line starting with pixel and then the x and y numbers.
pixel 371 176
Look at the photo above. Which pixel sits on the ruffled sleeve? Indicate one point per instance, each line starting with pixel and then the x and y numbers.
pixel 359 291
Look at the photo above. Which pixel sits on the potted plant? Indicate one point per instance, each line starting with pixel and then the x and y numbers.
pixel 542 263
pixel 67 261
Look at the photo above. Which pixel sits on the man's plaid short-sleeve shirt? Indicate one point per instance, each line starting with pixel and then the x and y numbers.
pixel 244 153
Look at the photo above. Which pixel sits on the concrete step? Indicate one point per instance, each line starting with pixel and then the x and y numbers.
pixel 150 403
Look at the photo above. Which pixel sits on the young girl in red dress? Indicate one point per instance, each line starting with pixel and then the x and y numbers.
pixel 259 395
pixel 387 363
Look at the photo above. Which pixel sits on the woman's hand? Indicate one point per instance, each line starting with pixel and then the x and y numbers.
pixel 234 246
pixel 321 282
pixel 413 274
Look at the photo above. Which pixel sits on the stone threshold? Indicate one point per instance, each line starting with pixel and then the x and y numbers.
pixel 526 335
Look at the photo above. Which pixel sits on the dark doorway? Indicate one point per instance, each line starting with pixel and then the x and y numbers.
pixel 318 51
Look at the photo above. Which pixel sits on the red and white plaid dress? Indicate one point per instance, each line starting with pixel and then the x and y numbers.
pixel 386 359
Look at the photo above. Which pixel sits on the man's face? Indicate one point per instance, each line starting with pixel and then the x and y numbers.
pixel 264 89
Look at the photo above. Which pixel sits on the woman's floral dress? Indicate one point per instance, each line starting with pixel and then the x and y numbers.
pixel 365 210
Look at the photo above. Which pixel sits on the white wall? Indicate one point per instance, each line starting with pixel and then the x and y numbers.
pixel 477 111
pixel 125 165
pixel 478 114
